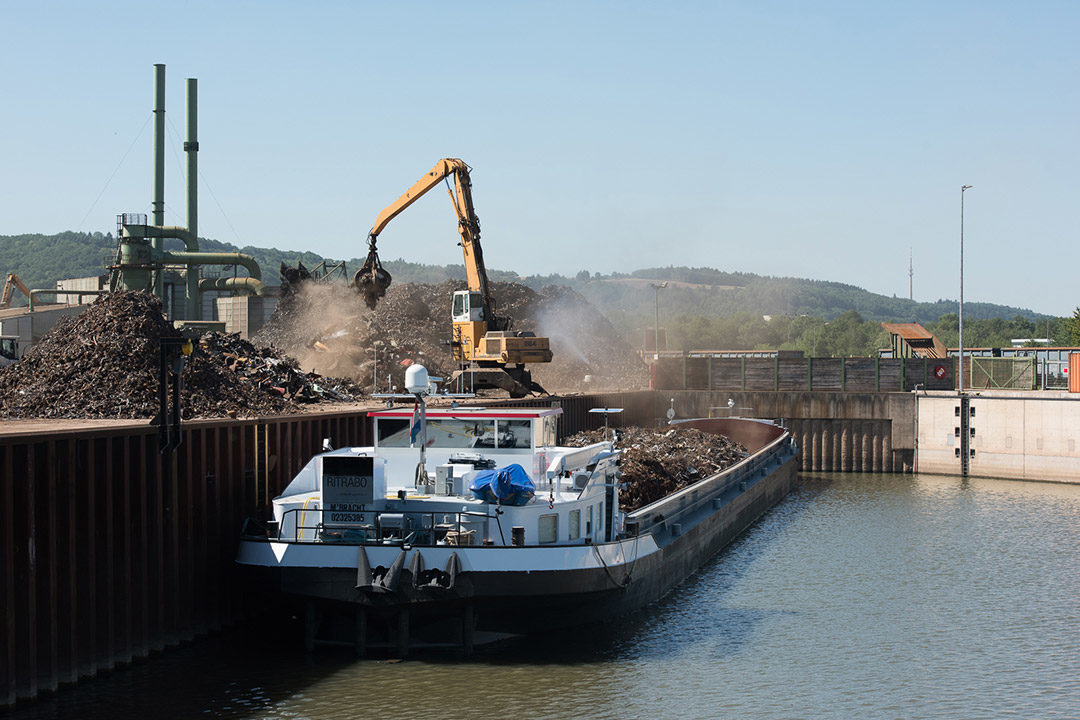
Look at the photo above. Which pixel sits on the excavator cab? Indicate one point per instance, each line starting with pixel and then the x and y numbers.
pixel 9 350
pixel 468 306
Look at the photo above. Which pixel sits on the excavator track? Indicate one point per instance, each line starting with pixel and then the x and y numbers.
pixel 516 381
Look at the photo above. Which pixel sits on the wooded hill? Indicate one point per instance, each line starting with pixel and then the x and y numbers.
pixel 41 260
pixel 700 307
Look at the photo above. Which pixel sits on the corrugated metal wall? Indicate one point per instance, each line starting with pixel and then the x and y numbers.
pixel 109 550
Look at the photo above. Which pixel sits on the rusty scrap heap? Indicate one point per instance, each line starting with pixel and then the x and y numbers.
pixel 656 463
pixel 105 364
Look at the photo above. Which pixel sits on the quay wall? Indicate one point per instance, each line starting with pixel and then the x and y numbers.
pixel 110 551
pixel 1011 435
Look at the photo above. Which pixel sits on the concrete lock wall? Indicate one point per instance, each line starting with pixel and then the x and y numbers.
pixel 1032 437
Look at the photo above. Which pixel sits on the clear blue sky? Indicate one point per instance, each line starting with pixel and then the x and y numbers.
pixel 824 140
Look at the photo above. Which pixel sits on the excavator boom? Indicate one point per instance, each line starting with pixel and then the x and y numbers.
pixel 468 228
pixel 10 284
pixel 478 335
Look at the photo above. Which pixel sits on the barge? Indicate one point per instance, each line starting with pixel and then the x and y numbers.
pixel 496 531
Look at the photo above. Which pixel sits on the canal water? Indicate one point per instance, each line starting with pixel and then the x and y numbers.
pixel 859 596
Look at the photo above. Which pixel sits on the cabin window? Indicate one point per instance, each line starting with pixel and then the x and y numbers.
pixel 575 524
pixel 600 519
pixel 459 305
pixel 393 432
pixel 588 521
pixel 549 528
pixel 549 433
pixel 461 433
pixel 476 306
pixel 515 434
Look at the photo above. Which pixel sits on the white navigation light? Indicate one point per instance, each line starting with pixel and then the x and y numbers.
pixel 416 379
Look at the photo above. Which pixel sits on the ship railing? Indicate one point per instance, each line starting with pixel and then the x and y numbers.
pixel 377 527
pixel 711 493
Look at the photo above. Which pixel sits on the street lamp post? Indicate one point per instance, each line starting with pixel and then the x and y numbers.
pixel 656 327
pixel 961 381
pixel 375 368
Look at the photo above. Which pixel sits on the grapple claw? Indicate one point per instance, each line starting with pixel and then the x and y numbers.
pixel 371 280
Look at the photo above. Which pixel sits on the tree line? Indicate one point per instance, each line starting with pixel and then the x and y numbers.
pixel 701 308
pixel 850 334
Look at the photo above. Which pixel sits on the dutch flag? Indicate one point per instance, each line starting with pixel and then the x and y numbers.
pixel 417 424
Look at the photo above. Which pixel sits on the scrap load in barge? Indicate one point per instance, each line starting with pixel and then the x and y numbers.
pixel 499 530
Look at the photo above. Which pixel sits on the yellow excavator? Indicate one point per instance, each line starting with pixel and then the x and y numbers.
pixel 478 336
pixel 11 284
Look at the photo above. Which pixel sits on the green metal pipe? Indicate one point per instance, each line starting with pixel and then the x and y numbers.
pixel 191 149
pixel 240 284
pixel 158 203
pixel 80 293
pixel 191 244
pixel 208 258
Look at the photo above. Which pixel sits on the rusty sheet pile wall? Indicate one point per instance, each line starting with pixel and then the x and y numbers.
pixel 110 551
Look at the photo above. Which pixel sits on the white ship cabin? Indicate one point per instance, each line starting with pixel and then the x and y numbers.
pixel 375 495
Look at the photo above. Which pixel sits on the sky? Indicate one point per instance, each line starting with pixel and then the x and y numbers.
pixel 826 140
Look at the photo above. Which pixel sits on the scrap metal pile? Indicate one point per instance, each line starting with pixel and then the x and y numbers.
pixel 105 363
pixel 331 331
pixel 658 462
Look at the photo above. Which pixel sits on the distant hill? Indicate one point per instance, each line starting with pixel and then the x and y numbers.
pixel 41 260
pixel 731 293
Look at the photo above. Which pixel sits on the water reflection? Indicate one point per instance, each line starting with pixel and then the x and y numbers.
pixel 858 596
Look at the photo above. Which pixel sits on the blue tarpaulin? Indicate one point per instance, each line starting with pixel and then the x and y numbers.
pixel 510 485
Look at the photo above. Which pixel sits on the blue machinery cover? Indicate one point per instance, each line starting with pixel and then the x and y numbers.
pixel 510 485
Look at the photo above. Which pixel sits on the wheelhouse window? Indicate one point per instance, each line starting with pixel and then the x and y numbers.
pixel 455 433
pixel 459 433
pixel 392 432
pixel 549 437
pixel 574 524
pixel 549 528
pixel 515 434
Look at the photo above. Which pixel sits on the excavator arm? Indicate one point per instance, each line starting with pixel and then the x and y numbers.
pixel 372 280
pixel 10 284
pixel 496 356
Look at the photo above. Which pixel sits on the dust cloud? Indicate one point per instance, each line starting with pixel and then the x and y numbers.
pixel 325 326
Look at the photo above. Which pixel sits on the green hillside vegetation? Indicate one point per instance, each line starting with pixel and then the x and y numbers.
pixel 701 308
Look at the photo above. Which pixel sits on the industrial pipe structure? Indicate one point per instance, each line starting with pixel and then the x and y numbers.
pixel 191 149
pixel 233 284
pixel 34 293
pixel 143 258
pixel 158 203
